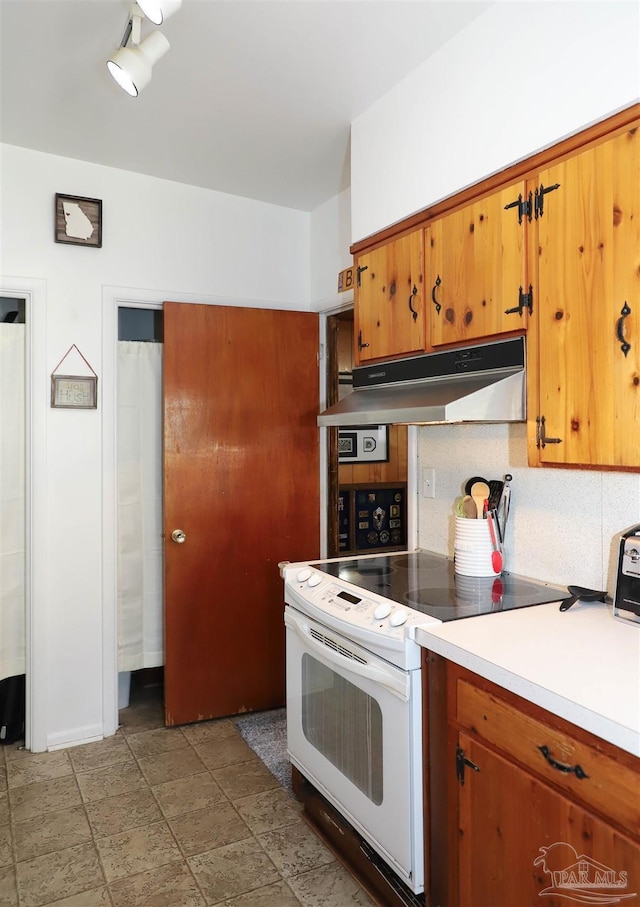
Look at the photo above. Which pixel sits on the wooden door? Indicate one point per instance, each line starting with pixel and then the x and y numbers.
pixel 389 313
pixel 241 480
pixel 589 307
pixel 507 817
pixel 476 268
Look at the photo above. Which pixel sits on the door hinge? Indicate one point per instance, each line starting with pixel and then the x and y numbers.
pixel 361 345
pixel 461 761
pixel 541 434
pixel 359 271
pixel 525 301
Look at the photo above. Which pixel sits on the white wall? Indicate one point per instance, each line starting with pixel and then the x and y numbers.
pixel 161 240
pixel 518 79
pixel 330 242
pixel 156 234
pixel 563 523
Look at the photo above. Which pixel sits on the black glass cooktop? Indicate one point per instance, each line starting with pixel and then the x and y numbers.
pixel 427 582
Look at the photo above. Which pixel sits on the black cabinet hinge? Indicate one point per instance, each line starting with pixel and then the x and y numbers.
pixel 525 301
pixel 541 191
pixel 524 206
pixel 461 761
pixel 361 345
pixel 359 271
pixel 532 206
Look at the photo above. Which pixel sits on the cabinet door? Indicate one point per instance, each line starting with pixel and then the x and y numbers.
pixel 476 269
pixel 589 299
pixel 520 840
pixel 389 313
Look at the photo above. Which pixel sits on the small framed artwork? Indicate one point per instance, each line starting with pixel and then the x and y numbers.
pixel 74 392
pixel 363 444
pixel 78 220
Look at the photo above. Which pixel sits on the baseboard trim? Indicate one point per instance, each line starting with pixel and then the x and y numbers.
pixel 76 737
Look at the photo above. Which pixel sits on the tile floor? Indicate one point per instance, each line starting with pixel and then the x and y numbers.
pixel 159 817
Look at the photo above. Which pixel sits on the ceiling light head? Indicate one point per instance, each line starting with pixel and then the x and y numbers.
pixel 131 66
pixel 159 10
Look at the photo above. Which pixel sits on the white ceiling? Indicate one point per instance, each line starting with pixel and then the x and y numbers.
pixel 255 97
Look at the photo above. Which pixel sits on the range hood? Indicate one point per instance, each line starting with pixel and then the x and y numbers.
pixel 483 383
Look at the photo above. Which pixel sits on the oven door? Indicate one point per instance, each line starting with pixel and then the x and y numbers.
pixel 354 731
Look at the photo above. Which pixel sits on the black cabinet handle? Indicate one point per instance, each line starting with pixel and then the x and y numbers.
pixel 541 433
pixel 624 312
pixel 576 770
pixel 461 762
pixel 433 295
pixel 411 295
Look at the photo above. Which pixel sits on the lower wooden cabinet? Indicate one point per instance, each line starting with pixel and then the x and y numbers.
pixel 520 839
pixel 529 809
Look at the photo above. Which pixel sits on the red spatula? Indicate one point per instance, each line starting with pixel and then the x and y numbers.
pixel 496 554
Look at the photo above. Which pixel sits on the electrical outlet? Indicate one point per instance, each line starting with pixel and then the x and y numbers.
pixel 428 482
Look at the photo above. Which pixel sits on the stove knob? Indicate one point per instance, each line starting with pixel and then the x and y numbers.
pixel 303 575
pixel 398 618
pixel 315 580
pixel 382 611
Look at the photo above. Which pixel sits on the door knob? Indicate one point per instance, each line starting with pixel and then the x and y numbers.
pixel 178 536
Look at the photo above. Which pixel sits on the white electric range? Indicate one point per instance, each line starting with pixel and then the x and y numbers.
pixel 354 698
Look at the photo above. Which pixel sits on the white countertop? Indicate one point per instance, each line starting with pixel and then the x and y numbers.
pixel 582 664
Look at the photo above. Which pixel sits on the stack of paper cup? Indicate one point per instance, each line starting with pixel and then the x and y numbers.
pixel 473 548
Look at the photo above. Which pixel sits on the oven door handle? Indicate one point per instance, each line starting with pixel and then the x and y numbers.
pixel 398 686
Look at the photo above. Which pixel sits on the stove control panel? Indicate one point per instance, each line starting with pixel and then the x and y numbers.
pixel 351 604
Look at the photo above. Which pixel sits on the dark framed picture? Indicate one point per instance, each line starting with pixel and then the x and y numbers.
pixel 78 220
pixel 363 444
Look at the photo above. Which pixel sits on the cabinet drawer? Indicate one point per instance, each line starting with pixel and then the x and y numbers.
pixel 598 780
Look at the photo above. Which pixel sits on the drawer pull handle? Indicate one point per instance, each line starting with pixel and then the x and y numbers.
pixel 624 345
pixel 433 295
pixel 411 295
pixel 577 770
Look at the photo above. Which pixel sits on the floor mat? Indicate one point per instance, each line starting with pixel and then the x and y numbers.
pixel 266 734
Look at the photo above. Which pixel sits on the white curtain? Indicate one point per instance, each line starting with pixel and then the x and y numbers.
pixel 12 500
pixel 139 481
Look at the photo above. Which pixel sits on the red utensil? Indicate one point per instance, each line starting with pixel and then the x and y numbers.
pixel 496 554
pixel 497 590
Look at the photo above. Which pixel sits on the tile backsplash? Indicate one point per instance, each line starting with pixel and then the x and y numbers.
pixel 563 524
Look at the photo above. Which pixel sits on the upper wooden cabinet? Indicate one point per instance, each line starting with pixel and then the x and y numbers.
pixel 584 402
pixel 476 269
pixel 389 311
pixel 554 250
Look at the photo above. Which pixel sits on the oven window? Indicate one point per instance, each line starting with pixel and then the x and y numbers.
pixel 344 724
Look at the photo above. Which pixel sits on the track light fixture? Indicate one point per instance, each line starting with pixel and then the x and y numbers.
pixel 131 65
pixel 157 11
